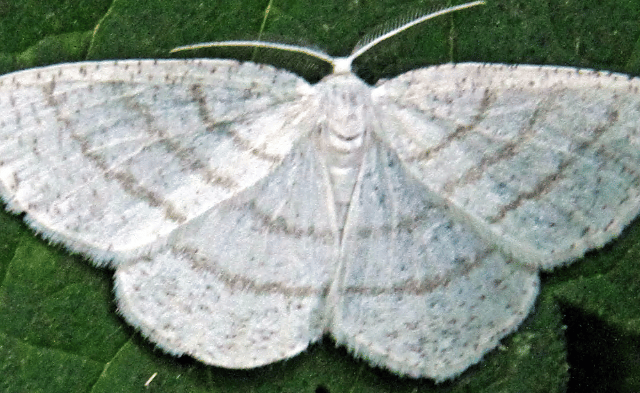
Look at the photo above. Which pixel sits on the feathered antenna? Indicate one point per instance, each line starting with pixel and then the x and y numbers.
pixel 370 41
pixel 340 64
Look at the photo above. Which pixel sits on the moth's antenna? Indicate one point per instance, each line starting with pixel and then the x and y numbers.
pixel 260 44
pixel 358 50
pixel 340 64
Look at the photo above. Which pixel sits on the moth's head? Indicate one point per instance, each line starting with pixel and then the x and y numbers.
pixel 342 65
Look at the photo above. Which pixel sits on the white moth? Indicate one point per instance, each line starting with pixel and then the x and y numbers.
pixel 247 213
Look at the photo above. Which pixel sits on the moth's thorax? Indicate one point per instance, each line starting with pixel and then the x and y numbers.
pixel 345 103
pixel 347 115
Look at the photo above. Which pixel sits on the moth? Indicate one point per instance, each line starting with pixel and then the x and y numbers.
pixel 247 212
